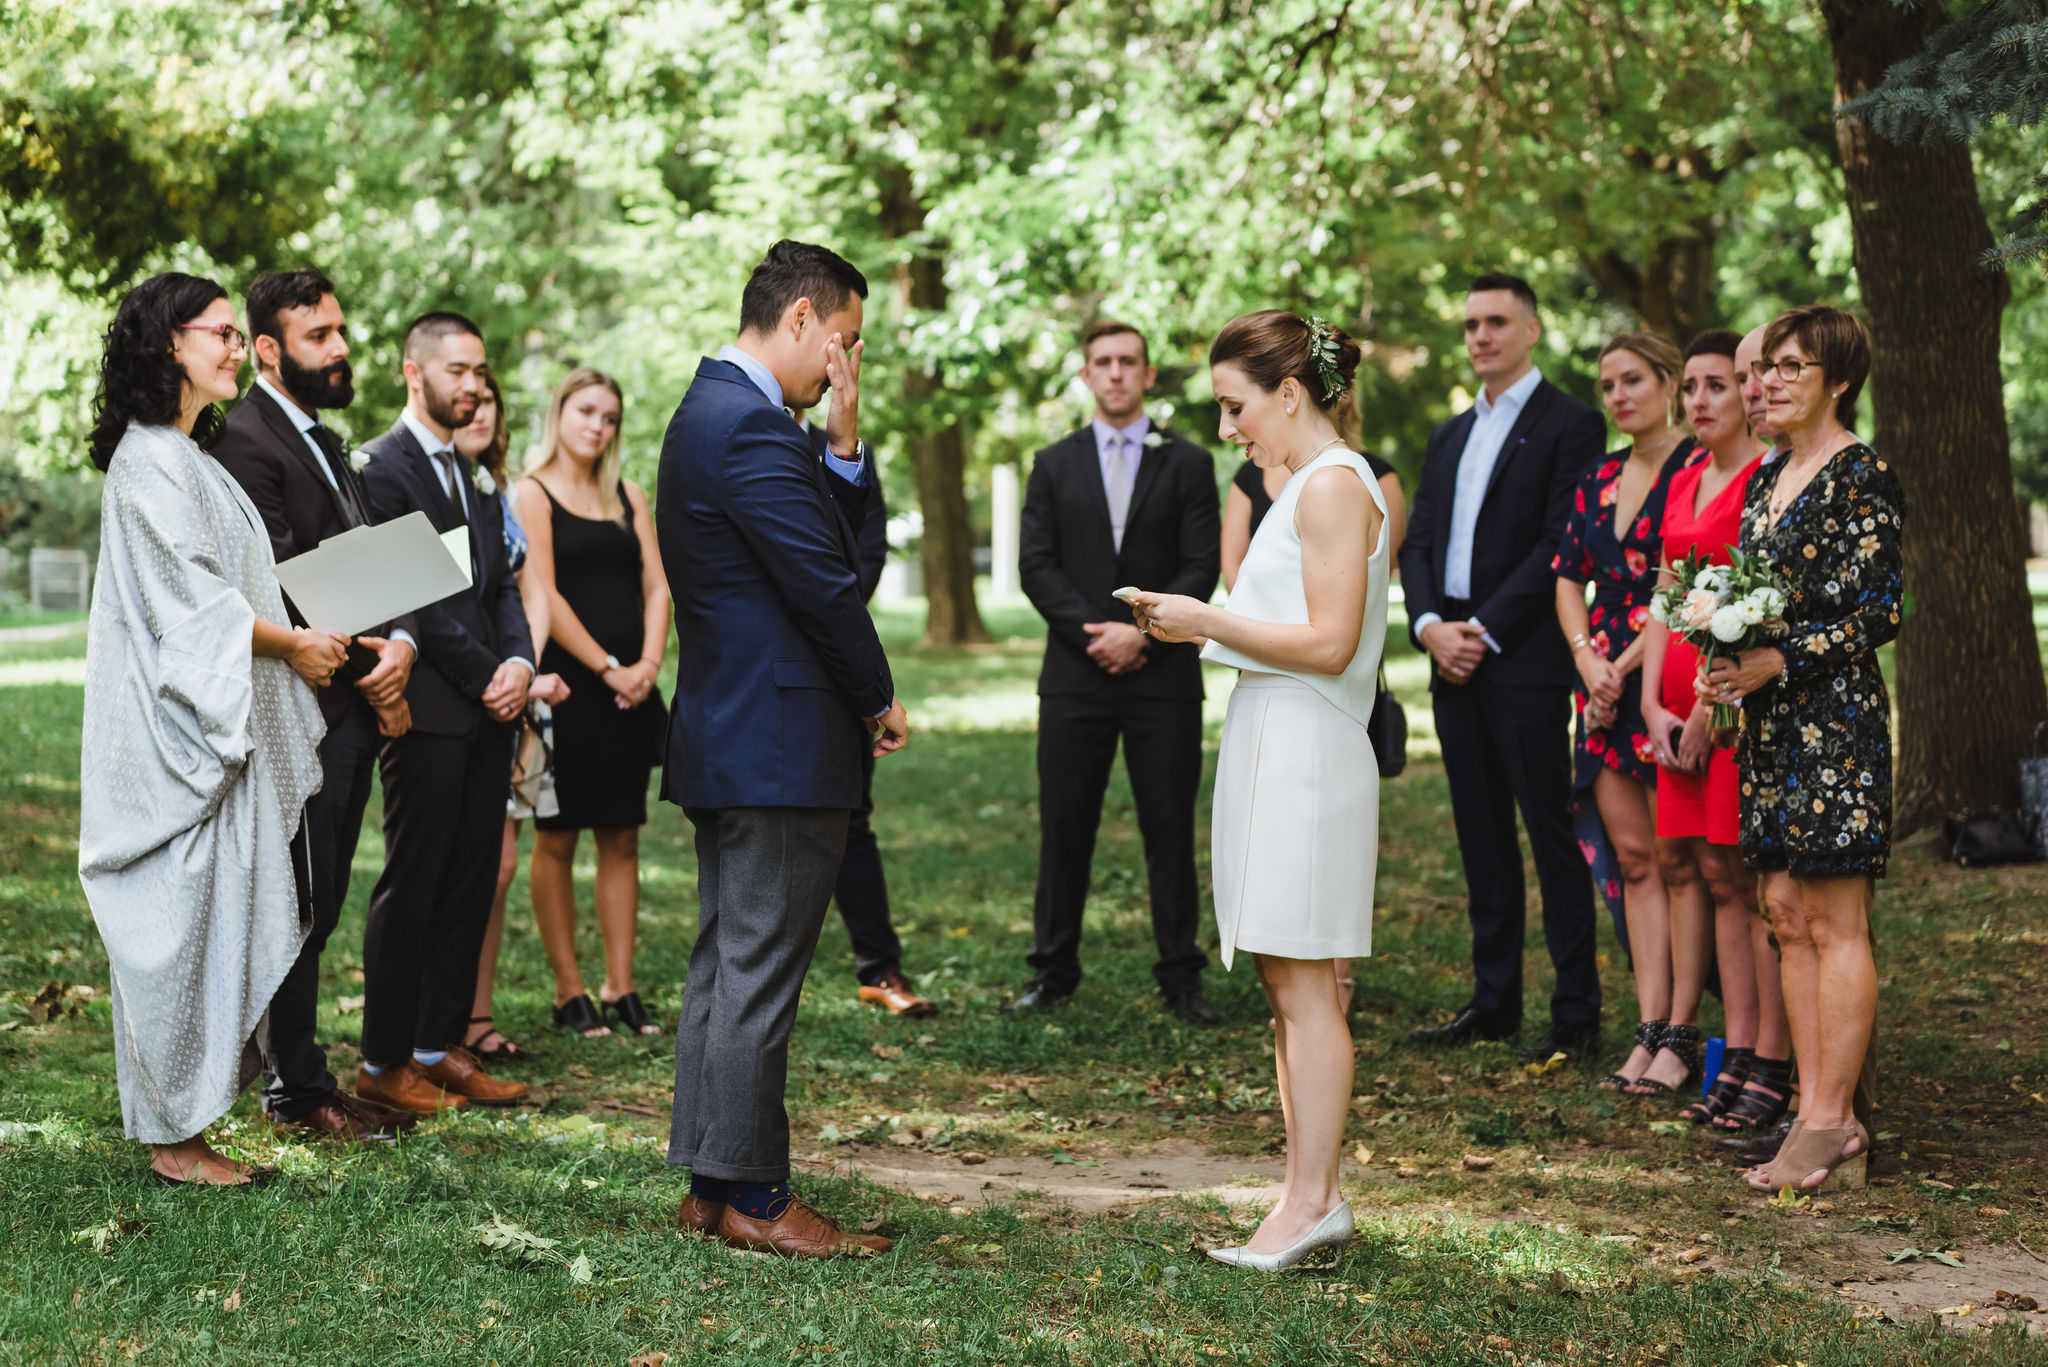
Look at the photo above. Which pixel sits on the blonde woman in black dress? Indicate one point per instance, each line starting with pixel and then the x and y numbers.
pixel 1814 759
pixel 591 542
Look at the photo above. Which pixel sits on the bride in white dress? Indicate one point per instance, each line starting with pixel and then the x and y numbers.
pixel 1295 826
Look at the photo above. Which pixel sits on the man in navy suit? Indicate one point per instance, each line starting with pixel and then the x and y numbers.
pixel 445 780
pixel 1490 508
pixel 780 684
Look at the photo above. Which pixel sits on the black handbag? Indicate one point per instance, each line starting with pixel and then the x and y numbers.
pixel 1388 729
pixel 1996 836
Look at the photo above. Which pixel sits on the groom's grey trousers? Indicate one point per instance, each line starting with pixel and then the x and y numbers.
pixel 764 881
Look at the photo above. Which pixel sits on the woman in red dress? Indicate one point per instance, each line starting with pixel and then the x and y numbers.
pixel 1698 827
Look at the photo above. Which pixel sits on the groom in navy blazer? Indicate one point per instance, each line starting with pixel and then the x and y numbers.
pixel 781 685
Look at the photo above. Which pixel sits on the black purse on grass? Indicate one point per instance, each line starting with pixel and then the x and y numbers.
pixel 1388 729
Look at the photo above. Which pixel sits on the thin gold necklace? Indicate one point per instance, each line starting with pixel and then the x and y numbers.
pixel 1309 459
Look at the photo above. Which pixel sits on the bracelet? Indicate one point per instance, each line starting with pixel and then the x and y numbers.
pixel 1579 642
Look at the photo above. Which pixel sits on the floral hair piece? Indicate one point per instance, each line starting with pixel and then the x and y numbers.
pixel 1322 349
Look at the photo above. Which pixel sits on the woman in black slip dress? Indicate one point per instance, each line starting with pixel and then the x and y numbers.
pixel 591 540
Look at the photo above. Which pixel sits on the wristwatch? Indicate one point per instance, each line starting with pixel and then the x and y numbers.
pixel 611 662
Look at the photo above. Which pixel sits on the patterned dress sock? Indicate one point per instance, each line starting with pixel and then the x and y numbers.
pixel 714 1189
pixel 758 1200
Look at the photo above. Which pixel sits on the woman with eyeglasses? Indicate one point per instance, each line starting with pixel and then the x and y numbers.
pixel 1814 757
pixel 201 733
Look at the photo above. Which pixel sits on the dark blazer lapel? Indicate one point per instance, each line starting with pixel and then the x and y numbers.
pixel 280 425
pixel 711 368
pixel 1150 463
pixel 1538 405
pixel 439 509
pixel 1086 457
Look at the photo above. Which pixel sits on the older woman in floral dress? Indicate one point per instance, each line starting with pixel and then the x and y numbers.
pixel 1815 752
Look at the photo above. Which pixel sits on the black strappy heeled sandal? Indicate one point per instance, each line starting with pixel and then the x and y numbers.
pixel 1683 1041
pixel 505 1051
pixel 1727 1088
pixel 1649 1034
pixel 632 1014
pixel 579 1015
pixel 1765 1095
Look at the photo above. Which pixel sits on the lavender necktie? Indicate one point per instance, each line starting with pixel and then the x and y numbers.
pixel 1119 487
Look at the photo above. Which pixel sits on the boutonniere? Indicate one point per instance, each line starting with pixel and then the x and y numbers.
pixel 485 485
pixel 358 459
pixel 1154 440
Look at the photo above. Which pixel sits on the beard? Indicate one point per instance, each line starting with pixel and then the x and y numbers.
pixel 451 411
pixel 331 386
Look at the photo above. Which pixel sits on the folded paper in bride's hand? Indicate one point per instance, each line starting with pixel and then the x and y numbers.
pixel 369 575
pixel 1125 594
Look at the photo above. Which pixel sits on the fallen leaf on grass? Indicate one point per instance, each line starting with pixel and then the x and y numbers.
pixel 233 1301
pixel 1790 1199
pixel 348 1006
pixel 1061 1156
pixel 1690 1256
pixel 1473 1162
pixel 579 1269
pixel 886 1051
pixel 1363 1155
pixel 2013 1301
pixel 1957 1310
pixel 103 1236
pixel 648 1360
pixel 1405 1171
pixel 1549 1065
pixel 1940 1256
pixel 832 1134
pixel 1992 1212
pixel 973 1157
pixel 1670 1127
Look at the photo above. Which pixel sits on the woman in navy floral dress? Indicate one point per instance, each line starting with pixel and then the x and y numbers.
pixel 1614 540
pixel 1815 755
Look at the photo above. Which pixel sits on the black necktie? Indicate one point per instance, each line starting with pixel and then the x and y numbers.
pixel 329 442
pixel 453 472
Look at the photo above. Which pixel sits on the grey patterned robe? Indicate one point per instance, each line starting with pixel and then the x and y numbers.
pixel 198 759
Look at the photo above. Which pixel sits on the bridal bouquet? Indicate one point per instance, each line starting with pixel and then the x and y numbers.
pixel 1723 610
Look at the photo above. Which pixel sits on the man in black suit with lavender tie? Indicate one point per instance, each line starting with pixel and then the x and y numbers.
pixel 1490 507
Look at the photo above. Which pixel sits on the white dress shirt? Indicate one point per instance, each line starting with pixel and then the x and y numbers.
pixel 853 471
pixel 1133 438
pixel 1492 420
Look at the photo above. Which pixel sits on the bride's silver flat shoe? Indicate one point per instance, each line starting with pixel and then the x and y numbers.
pixel 1332 1231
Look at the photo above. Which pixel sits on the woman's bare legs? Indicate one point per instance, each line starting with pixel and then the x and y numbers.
pixel 1313 1054
pixel 1692 951
pixel 494 935
pixel 552 876
pixel 1632 830
pixel 195 1160
pixel 1346 985
pixel 1836 990
pixel 1734 948
pixel 618 905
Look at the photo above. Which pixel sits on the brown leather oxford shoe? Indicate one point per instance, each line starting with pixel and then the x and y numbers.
pixel 341 1116
pixel 461 1074
pixel 699 1216
pixel 406 1088
pixel 894 994
pixel 796 1232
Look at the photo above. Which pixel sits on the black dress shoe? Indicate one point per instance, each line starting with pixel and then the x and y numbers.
pixel 1575 1042
pixel 1468 1026
pixel 1191 1006
pixel 1751 1148
pixel 1036 997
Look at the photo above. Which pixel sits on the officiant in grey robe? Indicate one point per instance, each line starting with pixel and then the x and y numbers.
pixel 198 760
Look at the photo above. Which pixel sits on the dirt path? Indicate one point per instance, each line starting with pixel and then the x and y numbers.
pixel 1092 1183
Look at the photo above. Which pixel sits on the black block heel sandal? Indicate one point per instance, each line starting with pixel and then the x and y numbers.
pixel 1649 1034
pixel 1727 1089
pixel 1682 1040
pixel 1765 1095
pixel 579 1015
pixel 632 1014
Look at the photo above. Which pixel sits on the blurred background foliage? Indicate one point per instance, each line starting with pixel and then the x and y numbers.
pixel 592 179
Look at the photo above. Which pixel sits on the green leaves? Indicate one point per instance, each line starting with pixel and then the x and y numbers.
pixel 1942 1256
pixel 522 1245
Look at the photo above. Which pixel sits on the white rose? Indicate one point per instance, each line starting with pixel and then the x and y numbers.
pixel 1658 612
pixel 1727 624
pixel 1713 579
pixel 1154 440
pixel 1768 601
pixel 1749 612
pixel 485 485
pixel 1700 607
pixel 358 460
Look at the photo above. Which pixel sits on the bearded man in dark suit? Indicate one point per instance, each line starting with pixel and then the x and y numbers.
pixel 1490 508
pixel 1118 502
pixel 296 471
pixel 445 780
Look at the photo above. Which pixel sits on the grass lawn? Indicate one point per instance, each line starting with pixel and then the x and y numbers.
pixel 1506 1217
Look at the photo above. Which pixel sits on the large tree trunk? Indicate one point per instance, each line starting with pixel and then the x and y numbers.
pixel 1673 293
pixel 938 454
pixel 1969 682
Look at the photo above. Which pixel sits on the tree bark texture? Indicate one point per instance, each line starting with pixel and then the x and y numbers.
pixel 1673 292
pixel 938 458
pixel 1969 689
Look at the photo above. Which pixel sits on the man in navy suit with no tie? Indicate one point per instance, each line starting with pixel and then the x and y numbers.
pixel 781 684
pixel 1490 507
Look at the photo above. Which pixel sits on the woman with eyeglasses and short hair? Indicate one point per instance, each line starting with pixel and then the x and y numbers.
pixel 1814 758
pixel 201 733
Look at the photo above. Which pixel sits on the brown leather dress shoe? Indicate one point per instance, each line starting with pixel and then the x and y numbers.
pixel 798 1232
pixel 461 1074
pixel 406 1088
pixel 699 1216
pixel 895 993
pixel 384 1116
pixel 341 1116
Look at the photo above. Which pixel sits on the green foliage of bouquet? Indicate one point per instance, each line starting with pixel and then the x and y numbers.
pixel 1723 610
